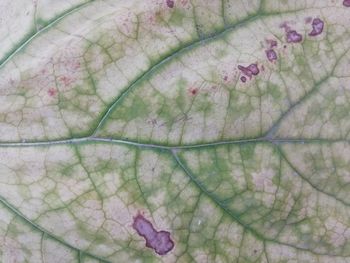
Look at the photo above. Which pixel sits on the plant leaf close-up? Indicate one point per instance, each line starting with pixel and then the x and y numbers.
pixel 174 131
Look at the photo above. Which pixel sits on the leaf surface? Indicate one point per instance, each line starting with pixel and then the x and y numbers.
pixel 174 131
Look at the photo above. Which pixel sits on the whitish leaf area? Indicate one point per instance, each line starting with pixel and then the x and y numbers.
pixel 174 131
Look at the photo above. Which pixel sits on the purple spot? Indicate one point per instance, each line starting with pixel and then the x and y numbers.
pixel 346 3
pixel 317 27
pixel 245 71
pixel 272 43
pixel 294 37
pixel 254 69
pixel 271 55
pixel 160 241
pixel 170 3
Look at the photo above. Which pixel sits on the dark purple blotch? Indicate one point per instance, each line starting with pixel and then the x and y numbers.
pixel 245 71
pixel 346 3
pixel 294 37
pixel 159 241
pixel 271 55
pixel 170 3
pixel 243 79
pixel 317 27
pixel 252 69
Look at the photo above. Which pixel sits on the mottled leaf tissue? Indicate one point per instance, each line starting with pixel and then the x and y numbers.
pixel 174 131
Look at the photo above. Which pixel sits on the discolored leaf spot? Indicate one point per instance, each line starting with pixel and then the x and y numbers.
pixel 294 37
pixel 346 3
pixel 170 3
pixel 117 105
pixel 271 55
pixel 193 91
pixel 254 69
pixel 52 92
pixel 245 71
pixel 160 241
pixel 272 43
pixel 251 70
pixel 317 27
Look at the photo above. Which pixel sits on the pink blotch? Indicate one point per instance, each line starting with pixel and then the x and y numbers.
pixel 346 3
pixel 66 81
pixel 52 92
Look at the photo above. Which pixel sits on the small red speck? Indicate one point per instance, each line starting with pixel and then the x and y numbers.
pixel 194 91
pixel 52 92
pixel 66 81
pixel 225 78
pixel 243 79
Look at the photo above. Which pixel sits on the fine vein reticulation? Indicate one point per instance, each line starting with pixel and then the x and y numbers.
pixel 175 131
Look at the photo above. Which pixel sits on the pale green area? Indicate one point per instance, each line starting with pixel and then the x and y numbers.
pixel 113 108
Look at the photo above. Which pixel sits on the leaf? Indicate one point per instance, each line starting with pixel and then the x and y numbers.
pixel 174 131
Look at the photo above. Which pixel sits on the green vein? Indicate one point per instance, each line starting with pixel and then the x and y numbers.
pixel 30 38
pixel 166 59
pixel 88 140
pixel 272 131
pixel 300 174
pixel 45 232
pixel 255 233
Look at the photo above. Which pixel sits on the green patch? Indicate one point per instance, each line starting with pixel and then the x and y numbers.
pixel 137 109
pixel 247 151
pixel 177 17
pixel 274 90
